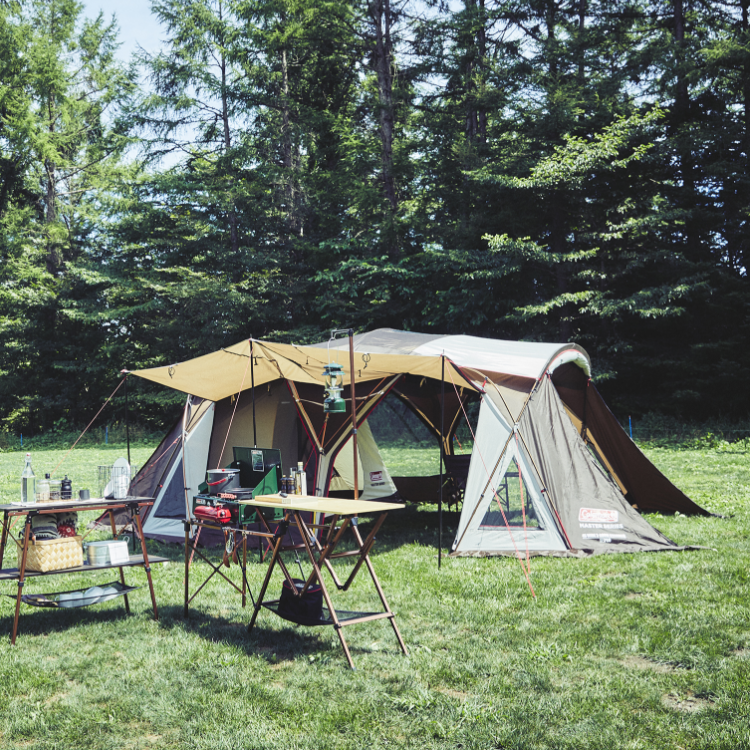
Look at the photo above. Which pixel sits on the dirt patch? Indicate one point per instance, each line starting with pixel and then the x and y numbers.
pixel 55 698
pixel 457 694
pixel 689 704
pixel 640 662
pixel 741 653
pixel 634 595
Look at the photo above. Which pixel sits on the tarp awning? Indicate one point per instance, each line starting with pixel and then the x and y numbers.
pixel 379 354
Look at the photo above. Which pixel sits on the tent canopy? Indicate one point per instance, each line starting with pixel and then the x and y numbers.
pixel 378 354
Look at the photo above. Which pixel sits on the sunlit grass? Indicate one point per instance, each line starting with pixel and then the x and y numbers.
pixel 617 651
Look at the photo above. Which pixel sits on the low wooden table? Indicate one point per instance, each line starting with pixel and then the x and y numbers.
pixel 20 574
pixel 320 554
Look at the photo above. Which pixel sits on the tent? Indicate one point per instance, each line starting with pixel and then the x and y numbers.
pixel 551 470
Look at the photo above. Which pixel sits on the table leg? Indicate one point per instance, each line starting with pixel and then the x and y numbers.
pixel 244 570
pixel 316 571
pixel 122 572
pixel 187 567
pixel 364 547
pixel 280 532
pixel 146 566
pixel 4 537
pixel 367 545
pixel 21 574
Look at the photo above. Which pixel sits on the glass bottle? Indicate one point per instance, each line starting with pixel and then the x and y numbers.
pixel 28 482
pixel 42 490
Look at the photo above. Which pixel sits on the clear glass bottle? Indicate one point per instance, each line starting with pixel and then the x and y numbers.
pixel 55 489
pixel 28 482
pixel 42 490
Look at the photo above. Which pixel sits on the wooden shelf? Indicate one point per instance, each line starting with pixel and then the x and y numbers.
pixel 11 574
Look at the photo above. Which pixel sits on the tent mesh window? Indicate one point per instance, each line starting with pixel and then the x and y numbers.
pixel 512 496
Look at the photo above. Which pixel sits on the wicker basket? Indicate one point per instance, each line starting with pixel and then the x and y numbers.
pixel 53 554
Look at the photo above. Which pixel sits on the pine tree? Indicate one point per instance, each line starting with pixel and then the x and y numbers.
pixel 62 143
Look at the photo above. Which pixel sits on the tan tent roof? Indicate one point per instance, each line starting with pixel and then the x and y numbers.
pixel 225 372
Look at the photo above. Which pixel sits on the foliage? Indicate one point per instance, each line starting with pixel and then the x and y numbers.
pixel 522 169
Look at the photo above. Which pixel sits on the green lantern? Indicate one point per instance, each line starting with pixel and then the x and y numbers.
pixel 333 403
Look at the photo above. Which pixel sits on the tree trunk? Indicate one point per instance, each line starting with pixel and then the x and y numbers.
pixel 233 231
pixel 558 248
pixel 482 52
pixel 54 256
pixel 380 14
pixel 288 151
pixel 682 118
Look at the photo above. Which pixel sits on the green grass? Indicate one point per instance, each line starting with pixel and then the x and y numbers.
pixel 618 651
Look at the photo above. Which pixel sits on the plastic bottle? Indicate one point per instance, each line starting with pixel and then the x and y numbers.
pixel 28 482
pixel 42 490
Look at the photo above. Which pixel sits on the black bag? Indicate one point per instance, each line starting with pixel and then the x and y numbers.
pixel 304 610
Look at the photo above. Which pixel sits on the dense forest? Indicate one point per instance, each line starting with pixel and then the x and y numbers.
pixel 557 170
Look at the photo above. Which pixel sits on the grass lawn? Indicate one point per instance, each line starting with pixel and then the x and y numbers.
pixel 618 651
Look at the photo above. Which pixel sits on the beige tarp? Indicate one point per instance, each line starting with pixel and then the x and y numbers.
pixel 225 372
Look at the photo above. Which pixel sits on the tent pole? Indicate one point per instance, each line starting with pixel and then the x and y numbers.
pixel 252 390
pixel 354 412
pixel 442 459
pixel 127 419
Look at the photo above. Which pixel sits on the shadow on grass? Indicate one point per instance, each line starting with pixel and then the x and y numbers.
pixel 271 644
pixel 44 621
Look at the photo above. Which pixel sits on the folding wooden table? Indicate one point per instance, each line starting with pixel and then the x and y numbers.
pixel 340 516
pixel 28 511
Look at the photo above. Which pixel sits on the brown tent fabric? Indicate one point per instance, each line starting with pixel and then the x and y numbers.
pixel 647 488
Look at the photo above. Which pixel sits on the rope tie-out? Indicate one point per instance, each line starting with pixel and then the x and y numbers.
pixel 524 567
pixel 88 425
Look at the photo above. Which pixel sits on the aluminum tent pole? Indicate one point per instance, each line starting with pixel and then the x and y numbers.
pixel 442 459
pixel 127 419
pixel 354 413
pixel 252 390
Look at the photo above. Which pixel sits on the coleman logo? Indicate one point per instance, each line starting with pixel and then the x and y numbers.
pixel 376 476
pixel 597 515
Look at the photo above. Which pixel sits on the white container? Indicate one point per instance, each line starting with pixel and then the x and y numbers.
pixel 108 552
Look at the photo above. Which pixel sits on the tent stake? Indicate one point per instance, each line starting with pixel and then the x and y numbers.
pixel 442 452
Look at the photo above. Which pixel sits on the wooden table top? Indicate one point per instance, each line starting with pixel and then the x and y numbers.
pixel 330 505
pixel 76 503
